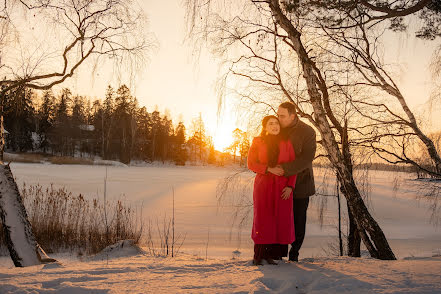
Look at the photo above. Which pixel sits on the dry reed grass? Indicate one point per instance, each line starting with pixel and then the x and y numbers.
pixel 70 160
pixel 23 157
pixel 38 158
pixel 62 221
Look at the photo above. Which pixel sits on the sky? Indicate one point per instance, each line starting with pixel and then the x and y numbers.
pixel 179 81
pixel 173 80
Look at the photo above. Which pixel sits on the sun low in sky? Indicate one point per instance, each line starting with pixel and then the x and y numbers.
pixel 223 137
pixel 184 83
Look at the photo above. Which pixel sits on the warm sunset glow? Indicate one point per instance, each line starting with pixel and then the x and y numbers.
pixel 221 128
pixel 223 137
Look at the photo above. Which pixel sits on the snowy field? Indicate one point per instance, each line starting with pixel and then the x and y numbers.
pixel 188 274
pixel 393 200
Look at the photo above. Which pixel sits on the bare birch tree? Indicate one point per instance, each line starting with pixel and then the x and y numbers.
pixel 42 44
pixel 260 26
pixel 357 32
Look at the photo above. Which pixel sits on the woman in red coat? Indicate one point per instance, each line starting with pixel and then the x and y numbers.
pixel 273 226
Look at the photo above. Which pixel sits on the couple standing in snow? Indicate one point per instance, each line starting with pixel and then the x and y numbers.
pixel 282 159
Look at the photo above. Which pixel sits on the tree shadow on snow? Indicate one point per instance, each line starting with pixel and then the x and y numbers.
pixel 307 277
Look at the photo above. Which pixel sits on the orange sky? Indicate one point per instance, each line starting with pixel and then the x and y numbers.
pixel 173 81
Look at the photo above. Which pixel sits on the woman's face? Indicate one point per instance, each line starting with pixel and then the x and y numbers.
pixel 272 126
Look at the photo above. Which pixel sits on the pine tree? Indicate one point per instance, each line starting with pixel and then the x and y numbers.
pixel 46 116
pixel 142 135
pixel 133 107
pixel 155 131
pixel 96 118
pixel 78 111
pixel 198 140
pixel 107 123
pixel 19 117
pixel 165 138
pixel 60 135
pixel 211 152
pixel 124 121
pixel 180 152
pixel 78 122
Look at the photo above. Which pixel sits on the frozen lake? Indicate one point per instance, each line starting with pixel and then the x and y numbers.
pixel 392 201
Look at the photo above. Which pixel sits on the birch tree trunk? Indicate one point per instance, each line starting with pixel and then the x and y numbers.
pixel 2 130
pixel 20 240
pixel 370 232
pixel 354 239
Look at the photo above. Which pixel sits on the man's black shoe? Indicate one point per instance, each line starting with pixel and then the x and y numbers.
pixel 257 262
pixel 294 258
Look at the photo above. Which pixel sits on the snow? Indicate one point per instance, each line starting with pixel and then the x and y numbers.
pixel 108 162
pixel 191 274
pixel 35 140
pixel 123 248
pixel 24 247
pixel 405 219
pixel 89 128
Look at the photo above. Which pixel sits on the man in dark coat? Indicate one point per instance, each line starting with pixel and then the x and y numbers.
pixel 302 137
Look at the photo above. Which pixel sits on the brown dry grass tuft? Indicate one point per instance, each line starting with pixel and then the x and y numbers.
pixel 38 158
pixel 70 160
pixel 23 157
pixel 62 221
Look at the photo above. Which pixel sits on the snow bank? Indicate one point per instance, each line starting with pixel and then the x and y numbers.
pixel 108 162
pixel 123 248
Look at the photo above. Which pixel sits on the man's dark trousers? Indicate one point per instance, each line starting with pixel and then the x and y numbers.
pixel 303 139
pixel 300 208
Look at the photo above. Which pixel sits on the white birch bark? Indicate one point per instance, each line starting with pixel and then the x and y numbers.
pixel 20 240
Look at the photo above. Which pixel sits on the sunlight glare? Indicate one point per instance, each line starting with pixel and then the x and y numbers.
pixel 223 136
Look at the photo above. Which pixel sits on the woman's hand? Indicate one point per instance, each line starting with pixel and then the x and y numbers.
pixel 277 170
pixel 286 193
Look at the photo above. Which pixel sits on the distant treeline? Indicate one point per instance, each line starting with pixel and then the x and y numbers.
pixel 114 127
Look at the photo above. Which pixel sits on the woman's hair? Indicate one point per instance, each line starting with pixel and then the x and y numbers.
pixel 265 122
pixel 271 141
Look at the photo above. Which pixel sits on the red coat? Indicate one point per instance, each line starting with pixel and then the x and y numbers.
pixel 273 221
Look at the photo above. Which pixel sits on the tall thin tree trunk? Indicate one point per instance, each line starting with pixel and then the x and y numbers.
pixel 2 136
pixel 340 240
pixel 354 240
pixel 133 129
pixel 102 137
pixel 153 144
pixel 124 150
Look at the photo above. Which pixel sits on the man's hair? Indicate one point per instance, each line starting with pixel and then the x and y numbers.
pixel 289 106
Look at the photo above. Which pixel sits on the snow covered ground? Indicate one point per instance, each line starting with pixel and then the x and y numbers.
pixel 190 274
pixel 392 200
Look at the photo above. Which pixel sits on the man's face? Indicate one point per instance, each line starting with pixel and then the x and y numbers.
pixel 285 118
